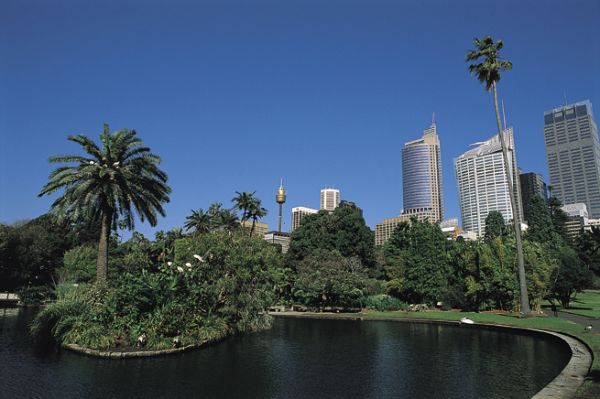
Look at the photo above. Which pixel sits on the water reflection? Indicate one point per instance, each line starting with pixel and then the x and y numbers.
pixel 296 359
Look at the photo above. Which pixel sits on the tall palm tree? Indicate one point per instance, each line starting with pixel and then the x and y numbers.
pixel 243 202
pixel 117 180
pixel 487 67
pixel 199 222
pixel 256 212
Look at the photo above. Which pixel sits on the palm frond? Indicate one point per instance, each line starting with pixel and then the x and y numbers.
pixel 122 179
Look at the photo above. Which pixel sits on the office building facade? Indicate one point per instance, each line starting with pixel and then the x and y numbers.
pixel 482 183
pixel 573 155
pixel 422 176
pixel 330 199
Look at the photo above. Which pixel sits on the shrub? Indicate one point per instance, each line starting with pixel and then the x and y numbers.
pixel 326 278
pixel 384 302
pixel 79 265
pixel 35 295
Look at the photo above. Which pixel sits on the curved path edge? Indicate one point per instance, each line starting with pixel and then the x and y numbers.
pixel 563 386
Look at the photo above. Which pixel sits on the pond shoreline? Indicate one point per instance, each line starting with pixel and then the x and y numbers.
pixel 129 354
pixel 563 386
pixel 132 354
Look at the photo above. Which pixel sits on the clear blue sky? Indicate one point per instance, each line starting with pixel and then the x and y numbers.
pixel 236 94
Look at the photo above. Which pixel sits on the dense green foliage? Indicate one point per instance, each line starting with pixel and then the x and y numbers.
pixel 558 216
pixel 538 220
pixel 418 267
pixel 108 184
pixel 423 266
pixel 326 278
pixel 79 265
pixel 343 230
pixel 588 248
pixel 215 285
pixel 494 226
pixel 383 302
pixel 30 252
pixel 571 277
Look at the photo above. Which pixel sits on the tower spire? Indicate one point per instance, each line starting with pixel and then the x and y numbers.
pixel 280 198
pixel 433 119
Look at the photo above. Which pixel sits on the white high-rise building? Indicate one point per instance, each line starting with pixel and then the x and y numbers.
pixel 299 213
pixel 330 199
pixel 482 183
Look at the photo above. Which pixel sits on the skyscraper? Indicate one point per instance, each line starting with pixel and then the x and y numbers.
pixel 482 183
pixel 573 155
pixel 532 184
pixel 330 199
pixel 422 176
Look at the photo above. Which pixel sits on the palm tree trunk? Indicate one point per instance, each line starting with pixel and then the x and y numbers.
pixel 252 229
pixel 525 309
pixel 102 261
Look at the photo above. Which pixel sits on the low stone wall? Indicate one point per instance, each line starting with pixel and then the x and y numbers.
pixel 563 386
pixel 132 354
pixel 572 376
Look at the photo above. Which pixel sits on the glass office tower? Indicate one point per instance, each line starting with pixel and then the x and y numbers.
pixel 422 177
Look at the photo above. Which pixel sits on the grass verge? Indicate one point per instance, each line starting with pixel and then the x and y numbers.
pixel 586 303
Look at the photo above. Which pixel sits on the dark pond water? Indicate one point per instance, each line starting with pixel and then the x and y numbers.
pixel 295 359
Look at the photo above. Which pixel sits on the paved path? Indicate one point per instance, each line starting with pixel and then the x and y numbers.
pixel 583 320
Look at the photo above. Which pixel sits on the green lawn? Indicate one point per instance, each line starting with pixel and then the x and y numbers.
pixel 590 389
pixel 586 303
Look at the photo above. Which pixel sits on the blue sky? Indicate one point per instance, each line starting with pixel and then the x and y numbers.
pixel 235 94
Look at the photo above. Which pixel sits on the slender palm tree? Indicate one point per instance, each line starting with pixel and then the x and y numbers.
pixel 487 68
pixel 199 222
pixel 109 183
pixel 243 202
pixel 256 212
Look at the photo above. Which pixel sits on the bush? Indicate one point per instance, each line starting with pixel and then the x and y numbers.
pixel 79 265
pixel 326 278
pixel 384 302
pixel 35 295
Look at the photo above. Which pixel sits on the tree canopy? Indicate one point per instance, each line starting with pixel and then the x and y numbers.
pixel 344 230
pixel 418 268
pixel 495 226
pixel 116 180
